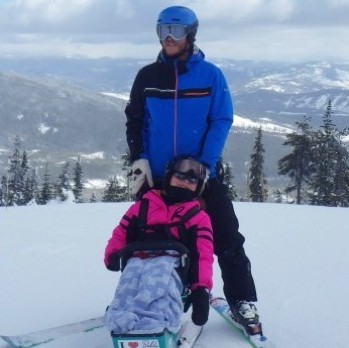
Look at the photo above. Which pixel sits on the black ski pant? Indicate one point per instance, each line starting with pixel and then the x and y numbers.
pixel 228 244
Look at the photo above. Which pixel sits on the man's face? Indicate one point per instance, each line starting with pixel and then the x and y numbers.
pixel 173 47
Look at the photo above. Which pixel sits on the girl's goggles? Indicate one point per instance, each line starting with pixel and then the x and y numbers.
pixel 187 176
pixel 175 31
pixel 190 170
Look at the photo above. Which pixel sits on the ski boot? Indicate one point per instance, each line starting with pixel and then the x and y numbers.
pixel 245 315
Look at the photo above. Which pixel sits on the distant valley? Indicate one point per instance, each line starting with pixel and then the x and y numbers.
pixel 63 108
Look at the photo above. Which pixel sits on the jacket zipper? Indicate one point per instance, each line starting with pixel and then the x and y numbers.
pixel 175 111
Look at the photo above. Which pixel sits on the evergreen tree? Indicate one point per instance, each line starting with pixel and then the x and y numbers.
pixel 298 165
pixel 56 191
pixel 229 181
pixel 93 198
pixel 126 167
pixel 46 191
pixel 341 178
pixel 17 172
pixel 278 196
pixel 24 163
pixel 34 182
pixel 4 191
pixel 329 163
pixel 63 185
pixel 114 192
pixel 32 191
pixel 78 184
pixel 28 191
pixel 257 181
pixel 225 176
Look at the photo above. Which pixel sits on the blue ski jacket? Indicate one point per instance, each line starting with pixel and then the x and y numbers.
pixel 178 108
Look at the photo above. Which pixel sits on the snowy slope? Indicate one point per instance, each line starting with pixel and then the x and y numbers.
pixel 52 273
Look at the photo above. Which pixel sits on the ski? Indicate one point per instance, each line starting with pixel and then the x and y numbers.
pixel 220 305
pixel 188 334
pixel 33 339
pixel 36 338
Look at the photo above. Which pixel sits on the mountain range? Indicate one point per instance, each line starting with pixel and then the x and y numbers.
pixel 64 108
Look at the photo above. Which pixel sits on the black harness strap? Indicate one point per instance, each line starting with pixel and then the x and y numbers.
pixel 160 234
pixel 165 228
pixel 143 212
pixel 142 218
pixel 183 237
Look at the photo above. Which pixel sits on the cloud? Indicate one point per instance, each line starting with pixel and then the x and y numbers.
pixel 28 14
pixel 244 10
pixel 79 16
pixel 338 3
pixel 282 43
pixel 254 28
pixel 130 16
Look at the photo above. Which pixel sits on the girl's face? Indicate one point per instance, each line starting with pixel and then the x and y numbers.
pixel 176 182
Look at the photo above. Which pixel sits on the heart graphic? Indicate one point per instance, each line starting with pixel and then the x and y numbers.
pixel 133 344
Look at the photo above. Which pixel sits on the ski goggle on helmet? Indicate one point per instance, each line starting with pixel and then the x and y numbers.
pixel 190 170
pixel 177 22
pixel 186 168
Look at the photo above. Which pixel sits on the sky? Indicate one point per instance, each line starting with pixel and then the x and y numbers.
pixel 273 30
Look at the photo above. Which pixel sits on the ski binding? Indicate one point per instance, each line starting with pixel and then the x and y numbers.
pixel 220 305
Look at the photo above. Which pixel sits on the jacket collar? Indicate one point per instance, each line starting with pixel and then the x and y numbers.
pixel 155 197
pixel 196 56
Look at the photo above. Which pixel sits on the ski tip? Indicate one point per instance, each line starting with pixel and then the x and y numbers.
pixel 259 341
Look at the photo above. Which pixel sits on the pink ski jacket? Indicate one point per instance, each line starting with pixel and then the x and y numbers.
pixel 198 228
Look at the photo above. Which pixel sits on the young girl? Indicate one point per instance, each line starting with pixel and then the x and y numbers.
pixel 148 296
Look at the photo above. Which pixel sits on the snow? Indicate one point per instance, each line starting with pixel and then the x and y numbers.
pixel 43 128
pixel 243 122
pixel 94 155
pixel 95 184
pixel 52 272
pixel 122 96
pixel 322 74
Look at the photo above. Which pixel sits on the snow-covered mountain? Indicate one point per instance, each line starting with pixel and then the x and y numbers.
pixel 58 122
pixel 66 107
pixel 306 78
pixel 52 272
pixel 116 75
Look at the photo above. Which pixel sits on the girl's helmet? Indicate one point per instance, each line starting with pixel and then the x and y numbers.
pixel 179 16
pixel 190 168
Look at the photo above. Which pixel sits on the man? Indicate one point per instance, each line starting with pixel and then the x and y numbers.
pixel 181 104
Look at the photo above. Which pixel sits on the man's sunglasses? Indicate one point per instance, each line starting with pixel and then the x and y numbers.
pixel 187 176
pixel 176 31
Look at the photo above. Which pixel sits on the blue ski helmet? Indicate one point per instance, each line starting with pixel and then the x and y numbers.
pixel 179 15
